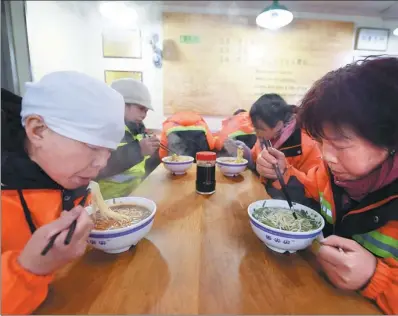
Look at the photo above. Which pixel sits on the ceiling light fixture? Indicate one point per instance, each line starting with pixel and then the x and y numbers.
pixel 274 17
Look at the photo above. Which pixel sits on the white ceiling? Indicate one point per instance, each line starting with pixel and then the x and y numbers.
pixel 383 9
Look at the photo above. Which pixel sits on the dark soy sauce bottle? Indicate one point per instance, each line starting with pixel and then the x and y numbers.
pixel 205 172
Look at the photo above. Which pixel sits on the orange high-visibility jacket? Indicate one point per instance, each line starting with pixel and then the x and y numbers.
pixel 301 152
pixel 233 127
pixel 23 291
pixel 373 223
pixel 185 122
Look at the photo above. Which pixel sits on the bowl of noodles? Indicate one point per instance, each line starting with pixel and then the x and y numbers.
pixel 119 223
pixel 274 224
pixel 178 164
pixel 232 166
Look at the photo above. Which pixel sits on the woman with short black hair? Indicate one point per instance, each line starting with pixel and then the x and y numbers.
pixel 274 120
pixel 352 112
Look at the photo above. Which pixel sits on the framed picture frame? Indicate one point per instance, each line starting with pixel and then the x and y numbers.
pixel 112 75
pixel 370 57
pixel 121 44
pixel 372 39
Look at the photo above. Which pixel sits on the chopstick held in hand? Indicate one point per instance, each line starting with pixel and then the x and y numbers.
pixel 70 232
pixel 267 144
pixel 72 227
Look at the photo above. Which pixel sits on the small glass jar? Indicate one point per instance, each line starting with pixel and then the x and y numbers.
pixel 205 172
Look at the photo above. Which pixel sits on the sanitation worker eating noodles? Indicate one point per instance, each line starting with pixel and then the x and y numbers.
pixel 352 112
pixel 54 141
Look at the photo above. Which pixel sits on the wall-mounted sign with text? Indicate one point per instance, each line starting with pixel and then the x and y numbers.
pixel 372 39
pixel 189 39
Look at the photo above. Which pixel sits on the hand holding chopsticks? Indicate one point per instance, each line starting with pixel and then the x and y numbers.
pixel 276 168
pixel 163 146
pixel 60 254
pixel 70 231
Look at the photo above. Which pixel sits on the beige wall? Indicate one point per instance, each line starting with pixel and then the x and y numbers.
pixel 74 42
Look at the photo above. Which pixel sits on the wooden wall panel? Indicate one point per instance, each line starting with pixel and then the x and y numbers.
pixel 215 64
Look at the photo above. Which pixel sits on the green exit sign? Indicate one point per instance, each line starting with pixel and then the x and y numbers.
pixel 189 39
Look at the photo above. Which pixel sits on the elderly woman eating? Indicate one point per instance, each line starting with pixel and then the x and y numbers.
pixel 352 113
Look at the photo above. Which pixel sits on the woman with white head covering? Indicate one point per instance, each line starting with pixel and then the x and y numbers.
pixel 54 141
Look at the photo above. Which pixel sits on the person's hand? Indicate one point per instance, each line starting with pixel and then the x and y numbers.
pixel 60 254
pixel 231 146
pixel 347 264
pixel 149 145
pixel 265 161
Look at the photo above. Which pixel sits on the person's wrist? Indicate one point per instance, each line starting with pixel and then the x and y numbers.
pixel 27 266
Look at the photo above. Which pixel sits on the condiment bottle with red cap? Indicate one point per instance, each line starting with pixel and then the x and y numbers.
pixel 205 172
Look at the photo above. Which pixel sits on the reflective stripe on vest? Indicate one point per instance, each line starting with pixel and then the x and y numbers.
pixel 124 183
pixel 239 133
pixel 185 128
pixel 121 178
pixel 379 244
pixel 326 208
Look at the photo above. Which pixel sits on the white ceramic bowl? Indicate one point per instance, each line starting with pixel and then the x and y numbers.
pixel 176 167
pixel 121 239
pixel 281 240
pixel 231 169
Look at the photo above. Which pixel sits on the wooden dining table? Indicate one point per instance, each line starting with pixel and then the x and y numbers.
pixel 200 257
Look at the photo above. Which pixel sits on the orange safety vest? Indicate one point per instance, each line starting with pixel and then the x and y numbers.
pixel 233 127
pixel 184 122
pixel 373 223
pixel 23 291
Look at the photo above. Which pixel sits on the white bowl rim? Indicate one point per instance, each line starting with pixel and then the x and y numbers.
pixel 231 164
pixel 122 229
pixel 286 232
pixel 191 159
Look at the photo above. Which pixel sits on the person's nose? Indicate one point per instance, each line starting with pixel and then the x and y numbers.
pixel 329 154
pixel 101 159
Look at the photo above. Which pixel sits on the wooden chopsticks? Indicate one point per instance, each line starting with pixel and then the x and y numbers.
pixel 268 145
pixel 162 145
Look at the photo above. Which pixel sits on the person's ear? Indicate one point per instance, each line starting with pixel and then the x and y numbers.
pixel 279 126
pixel 35 129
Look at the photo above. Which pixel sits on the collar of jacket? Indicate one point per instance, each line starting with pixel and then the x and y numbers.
pixel 18 171
pixel 135 128
pixel 292 146
pixel 371 213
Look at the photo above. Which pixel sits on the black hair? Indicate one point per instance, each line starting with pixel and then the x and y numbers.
pixel 270 109
pixel 239 111
pixel 362 96
pixel 12 132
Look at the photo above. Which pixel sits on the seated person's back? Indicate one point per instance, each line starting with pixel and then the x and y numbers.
pixel 186 133
pixel 237 127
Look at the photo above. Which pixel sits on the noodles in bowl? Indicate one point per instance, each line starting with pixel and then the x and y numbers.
pixel 274 224
pixel 178 165
pixel 119 223
pixel 232 166
pixel 283 219
pixel 177 158
pixel 134 213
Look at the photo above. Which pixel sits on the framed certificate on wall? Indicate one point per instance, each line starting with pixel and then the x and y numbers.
pixel 121 44
pixel 372 39
pixel 112 75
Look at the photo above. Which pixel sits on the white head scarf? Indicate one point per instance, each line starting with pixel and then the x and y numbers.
pixel 77 106
pixel 133 92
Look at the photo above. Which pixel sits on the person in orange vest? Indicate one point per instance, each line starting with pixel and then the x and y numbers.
pixel 54 140
pixel 186 133
pixel 237 127
pixel 274 120
pixel 352 113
